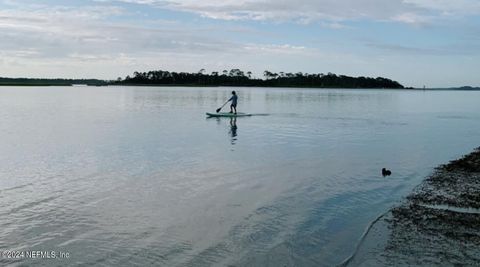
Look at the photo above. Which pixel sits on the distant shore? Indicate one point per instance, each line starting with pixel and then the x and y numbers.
pixel 195 85
pixel 437 225
pixel 234 77
pixel 99 83
pixel 50 82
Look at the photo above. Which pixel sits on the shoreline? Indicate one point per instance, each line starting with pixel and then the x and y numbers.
pixel 235 86
pixel 436 225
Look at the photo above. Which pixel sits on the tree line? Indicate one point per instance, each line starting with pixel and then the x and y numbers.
pixel 233 77
pixel 237 77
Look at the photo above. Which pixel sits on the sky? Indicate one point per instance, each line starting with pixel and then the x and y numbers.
pixel 435 43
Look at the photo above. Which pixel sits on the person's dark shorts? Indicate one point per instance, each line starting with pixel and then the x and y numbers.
pixel 234 105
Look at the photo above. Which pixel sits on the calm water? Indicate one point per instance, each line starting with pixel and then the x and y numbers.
pixel 138 176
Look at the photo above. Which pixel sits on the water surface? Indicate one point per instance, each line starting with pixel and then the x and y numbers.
pixel 139 176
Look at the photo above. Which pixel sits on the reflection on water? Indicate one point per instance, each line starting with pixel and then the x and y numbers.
pixel 233 130
pixel 136 175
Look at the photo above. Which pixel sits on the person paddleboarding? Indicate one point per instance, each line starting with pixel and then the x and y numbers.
pixel 233 106
pixel 234 100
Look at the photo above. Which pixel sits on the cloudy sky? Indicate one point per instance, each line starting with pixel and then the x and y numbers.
pixel 417 42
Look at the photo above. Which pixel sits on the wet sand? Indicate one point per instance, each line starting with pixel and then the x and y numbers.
pixel 437 225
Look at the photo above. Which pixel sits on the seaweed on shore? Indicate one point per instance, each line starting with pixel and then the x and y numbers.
pixel 454 184
pixel 437 224
pixel 468 163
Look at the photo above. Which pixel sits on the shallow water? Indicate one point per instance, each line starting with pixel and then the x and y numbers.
pixel 139 176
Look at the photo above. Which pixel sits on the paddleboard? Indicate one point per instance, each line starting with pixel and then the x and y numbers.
pixel 228 114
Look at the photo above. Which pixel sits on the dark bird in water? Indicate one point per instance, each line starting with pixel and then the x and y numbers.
pixel 386 172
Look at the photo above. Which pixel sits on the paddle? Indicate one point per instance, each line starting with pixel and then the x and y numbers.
pixel 220 108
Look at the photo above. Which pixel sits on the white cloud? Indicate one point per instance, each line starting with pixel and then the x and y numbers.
pixel 61 31
pixel 449 7
pixel 305 11
pixel 284 49
pixel 412 18
pixel 47 40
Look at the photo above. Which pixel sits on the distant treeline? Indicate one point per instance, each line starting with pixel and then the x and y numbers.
pixel 234 77
pixel 237 77
pixel 50 82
